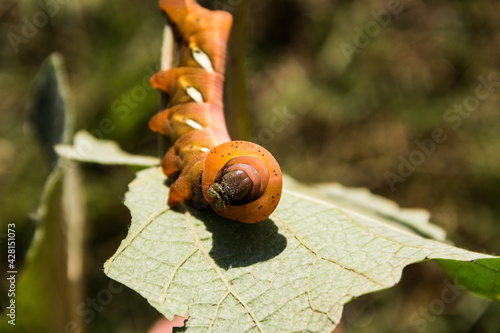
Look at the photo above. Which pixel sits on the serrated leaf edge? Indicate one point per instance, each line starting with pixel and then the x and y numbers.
pixel 199 247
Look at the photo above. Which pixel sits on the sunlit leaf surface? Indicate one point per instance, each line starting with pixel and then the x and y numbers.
pixel 292 272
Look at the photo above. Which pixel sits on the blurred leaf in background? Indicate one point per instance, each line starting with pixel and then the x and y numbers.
pixel 110 89
pixel 49 288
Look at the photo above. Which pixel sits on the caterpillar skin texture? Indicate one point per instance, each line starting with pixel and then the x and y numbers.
pixel 240 180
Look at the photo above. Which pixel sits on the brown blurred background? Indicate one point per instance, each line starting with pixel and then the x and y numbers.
pixel 338 91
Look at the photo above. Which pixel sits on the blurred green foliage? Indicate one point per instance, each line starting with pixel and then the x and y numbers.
pixel 349 119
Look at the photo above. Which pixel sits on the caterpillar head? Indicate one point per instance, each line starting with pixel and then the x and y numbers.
pixel 242 181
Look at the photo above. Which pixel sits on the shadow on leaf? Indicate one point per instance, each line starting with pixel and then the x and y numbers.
pixel 236 244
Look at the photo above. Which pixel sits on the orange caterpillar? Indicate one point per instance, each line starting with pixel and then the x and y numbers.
pixel 240 180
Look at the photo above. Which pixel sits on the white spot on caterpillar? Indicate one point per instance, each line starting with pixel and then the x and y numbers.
pixel 194 124
pixel 201 58
pixel 205 149
pixel 195 94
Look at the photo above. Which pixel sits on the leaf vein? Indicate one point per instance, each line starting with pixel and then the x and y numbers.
pixel 130 239
pixel 217 270
pixel 171 278
pixel 310 248
pixel 344 211
pixel 210 327
pixel 311 303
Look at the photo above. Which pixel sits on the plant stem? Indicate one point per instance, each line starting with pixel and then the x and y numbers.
pixel 236 95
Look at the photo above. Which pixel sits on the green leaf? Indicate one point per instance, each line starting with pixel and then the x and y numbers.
pixel 48 105
pixel 361 200
pixel 294 270
pixel 481 278
pixel 87 148
pixel 49 288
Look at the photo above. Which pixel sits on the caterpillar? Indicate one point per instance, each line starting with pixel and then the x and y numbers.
pixel 240 180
